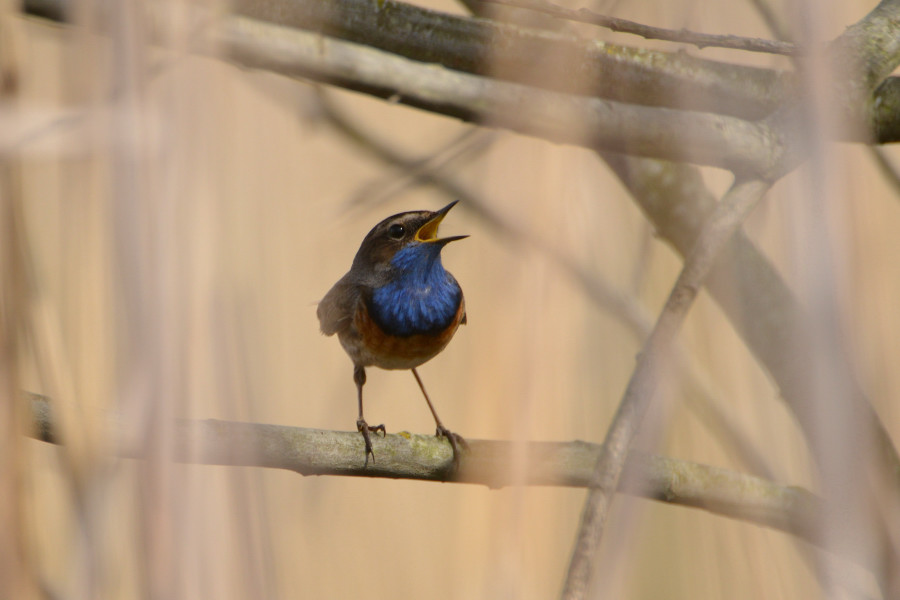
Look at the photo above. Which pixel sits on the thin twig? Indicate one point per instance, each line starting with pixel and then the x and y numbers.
pixel 465 148
pixel 727 217
pixel 772 21
pixel 684 36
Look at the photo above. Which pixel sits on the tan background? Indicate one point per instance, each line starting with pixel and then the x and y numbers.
pixel 242 194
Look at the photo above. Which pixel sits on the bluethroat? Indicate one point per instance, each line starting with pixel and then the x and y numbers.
pixel 397 307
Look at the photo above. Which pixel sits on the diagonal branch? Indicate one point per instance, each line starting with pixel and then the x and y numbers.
pixel 757 301
pixel 725 220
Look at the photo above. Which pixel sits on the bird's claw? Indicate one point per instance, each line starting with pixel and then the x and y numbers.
pixel 456 442
pixel 364 429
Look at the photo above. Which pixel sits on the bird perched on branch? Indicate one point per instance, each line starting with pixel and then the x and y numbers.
pixel 397 307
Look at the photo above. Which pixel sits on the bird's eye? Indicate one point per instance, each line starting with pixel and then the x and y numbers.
pixel 396 231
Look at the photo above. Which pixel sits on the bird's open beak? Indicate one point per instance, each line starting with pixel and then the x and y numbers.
pixel 428 231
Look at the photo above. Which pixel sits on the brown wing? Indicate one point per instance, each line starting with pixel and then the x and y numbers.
pixel 336 309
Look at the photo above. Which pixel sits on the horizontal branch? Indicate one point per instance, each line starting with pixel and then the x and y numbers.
pixel 704 138
pixel 597 69
pixel 507 52
pixel 513 52
pixel 491 463
pixel 504 50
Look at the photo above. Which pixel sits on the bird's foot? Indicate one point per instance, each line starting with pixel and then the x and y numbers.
pixel 456 442
pixel 364 429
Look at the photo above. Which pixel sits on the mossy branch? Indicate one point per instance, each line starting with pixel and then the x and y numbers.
pixel 503 52
pixel 488 462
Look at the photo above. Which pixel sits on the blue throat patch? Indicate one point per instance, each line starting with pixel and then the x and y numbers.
pixel 422 297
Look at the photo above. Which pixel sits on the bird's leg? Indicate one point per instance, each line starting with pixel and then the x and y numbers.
pixel 359 377
pixel 455 439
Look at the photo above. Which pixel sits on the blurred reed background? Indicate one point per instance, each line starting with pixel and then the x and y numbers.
pixel 181 217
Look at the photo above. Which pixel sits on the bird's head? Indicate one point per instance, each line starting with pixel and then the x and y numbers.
pixel 414 233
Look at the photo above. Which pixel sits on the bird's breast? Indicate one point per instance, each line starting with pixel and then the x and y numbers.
pixel 385 349
pixel 408 306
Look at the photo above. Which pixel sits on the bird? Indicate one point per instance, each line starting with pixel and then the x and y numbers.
pixel 397 307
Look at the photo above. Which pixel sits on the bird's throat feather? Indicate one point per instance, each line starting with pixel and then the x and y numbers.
pixel 422 297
